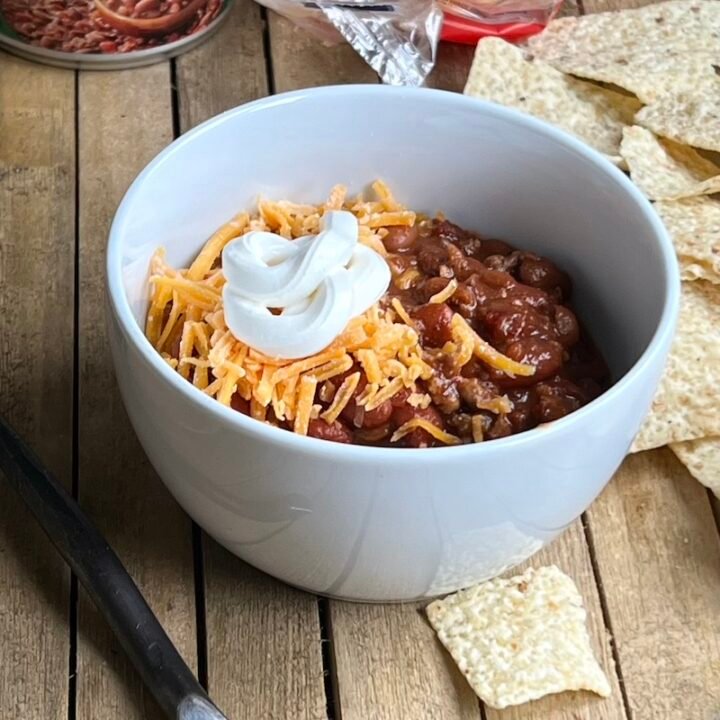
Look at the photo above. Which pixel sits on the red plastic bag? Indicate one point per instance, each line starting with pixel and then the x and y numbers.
pixel 466 21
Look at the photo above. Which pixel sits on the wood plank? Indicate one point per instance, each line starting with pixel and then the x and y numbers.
pixel 390 666
pixel 225 72
pixel 125 119
pixel 37 248
pixel 263 638
pixel 658 552
pixel 264 651
pixel 300 60
pixel 452 67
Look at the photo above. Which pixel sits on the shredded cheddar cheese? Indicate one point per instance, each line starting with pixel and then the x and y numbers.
pixel 486 352
pixel 342 398
pixel 422 424
pixel 186 309
pixel 186 325
pixel 478 428
pixel 446 293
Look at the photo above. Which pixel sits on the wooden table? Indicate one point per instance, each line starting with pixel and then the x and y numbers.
pixel 646 555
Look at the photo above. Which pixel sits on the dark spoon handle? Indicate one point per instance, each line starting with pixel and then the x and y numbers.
pixel 110 586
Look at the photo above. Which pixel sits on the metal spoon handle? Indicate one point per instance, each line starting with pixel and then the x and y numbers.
pixel 108 583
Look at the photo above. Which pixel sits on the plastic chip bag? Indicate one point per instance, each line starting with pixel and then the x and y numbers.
pixel 397 39
pixel 466 21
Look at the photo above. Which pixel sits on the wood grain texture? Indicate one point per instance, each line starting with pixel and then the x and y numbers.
pixel 390 666
pixel 264 652
pixel 37 247
pixel 125 119
pixel 658 553
pixel 263 638
pixel 225 72
pixel 300 60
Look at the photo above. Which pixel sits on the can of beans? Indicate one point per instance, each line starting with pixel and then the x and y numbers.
pixel 107 34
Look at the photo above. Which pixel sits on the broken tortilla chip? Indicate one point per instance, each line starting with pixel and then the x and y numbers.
pixel 650 51
pixel 596 115
pixel 666 170
pixel 686 117
pixel 694 226
pixel 702 459
pixel 685 404
pixel 520 638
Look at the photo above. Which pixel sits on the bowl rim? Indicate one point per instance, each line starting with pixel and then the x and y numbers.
pixel 118 301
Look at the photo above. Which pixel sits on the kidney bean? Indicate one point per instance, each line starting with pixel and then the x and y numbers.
pixel 400 238
pixel 475 392
pixel 337 432
pixel 356 414
pixel 523 415
pixel 239 403
pixel 445 231
pixel 545 355
pixel 493 247
pixel 526 295
pixel 418 437
pixel 429 287
pixel 507 322
pixel 541 273
pixel 566 326
pixel 431 257
pixel 464 301
pixel 377 416
pixel 557 399
pixel 434 323
pixel 374 435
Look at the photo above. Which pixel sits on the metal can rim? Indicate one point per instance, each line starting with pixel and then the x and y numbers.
pixel 113 61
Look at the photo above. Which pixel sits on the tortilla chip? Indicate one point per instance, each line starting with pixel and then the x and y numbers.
pixel 520 638
pixel 702 459
pixel 650 51
pixel 694 226
pixel 666 170
pixel 685 406
pixel 686 117
pixel 596 115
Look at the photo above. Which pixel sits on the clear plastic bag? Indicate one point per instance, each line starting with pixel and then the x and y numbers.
pixel 466 21
pixel 397 39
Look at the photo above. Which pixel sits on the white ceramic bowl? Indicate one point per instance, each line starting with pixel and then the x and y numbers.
pixel 385 523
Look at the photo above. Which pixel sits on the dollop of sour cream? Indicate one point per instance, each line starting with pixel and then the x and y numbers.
pixel 317 283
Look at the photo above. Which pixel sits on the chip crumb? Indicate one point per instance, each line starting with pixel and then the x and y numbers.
pixel 520 638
